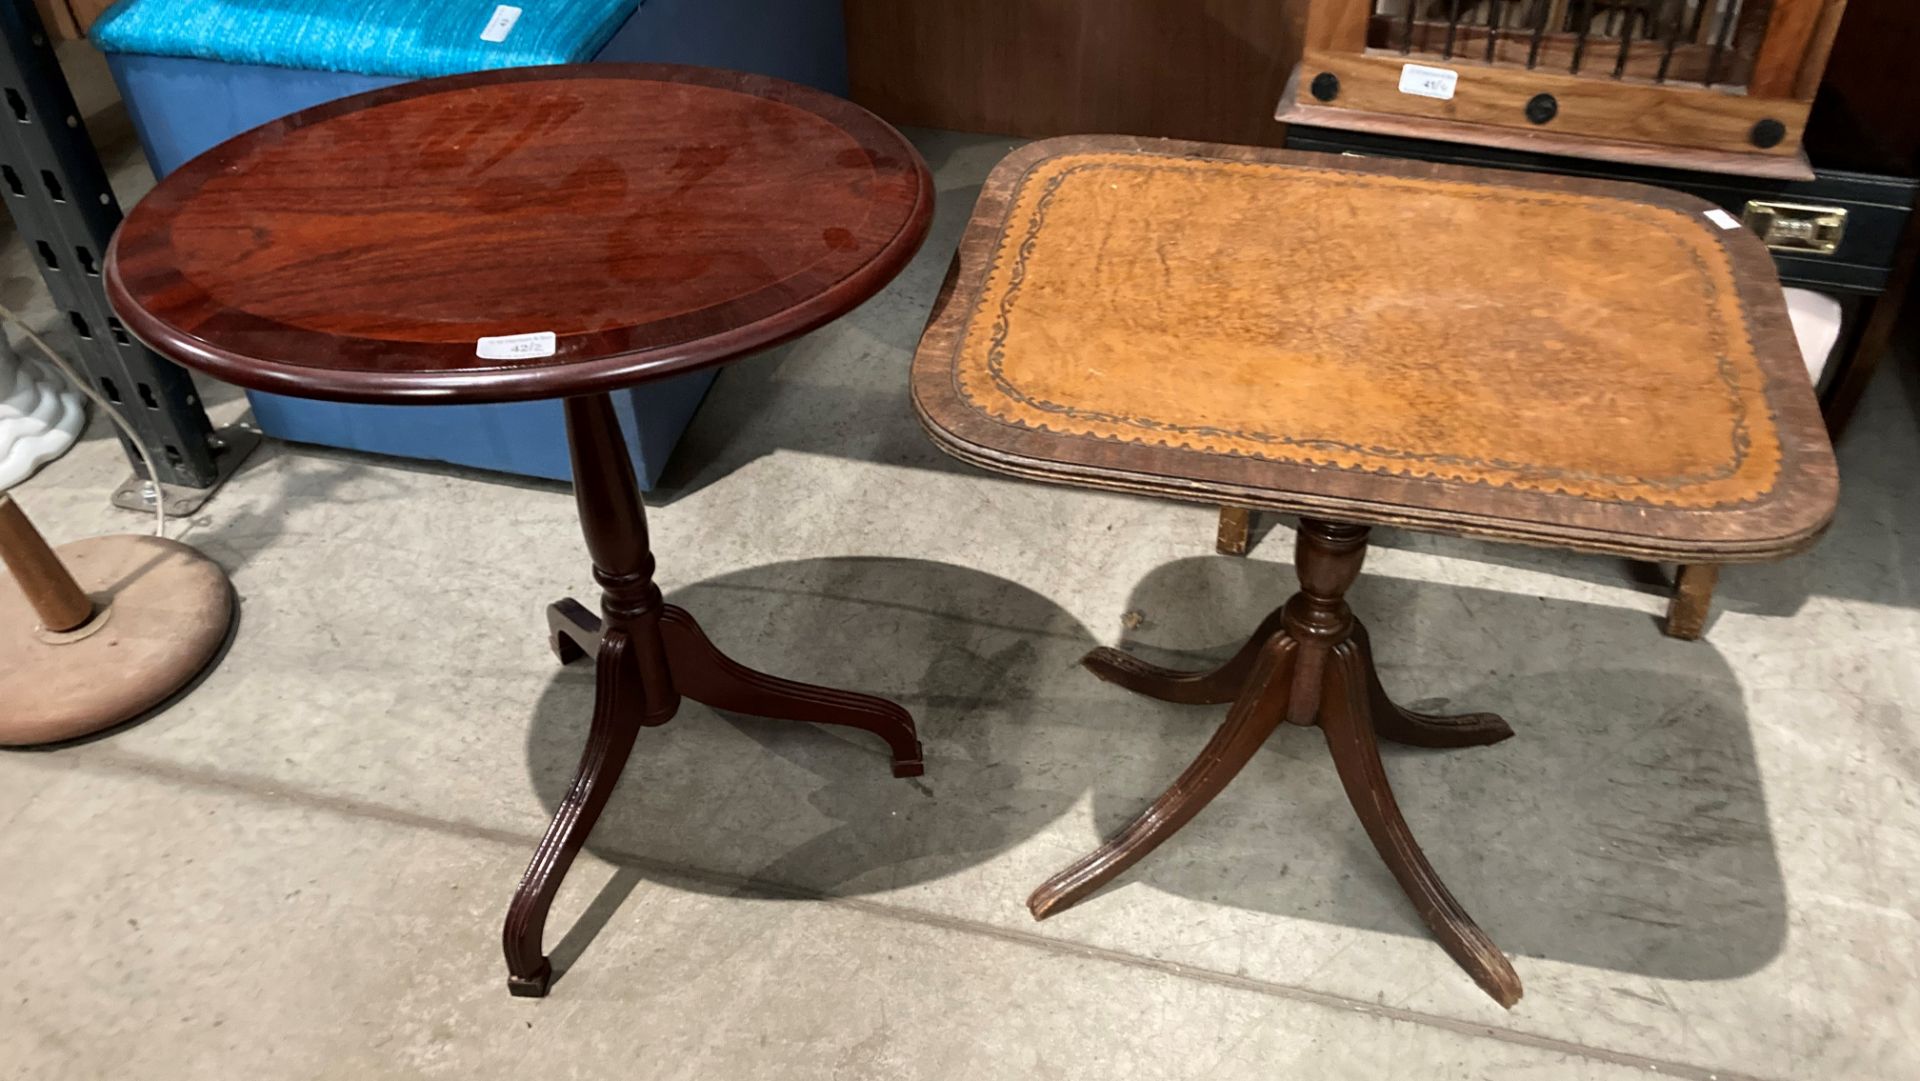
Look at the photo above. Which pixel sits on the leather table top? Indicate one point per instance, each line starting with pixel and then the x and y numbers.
pixel 1568 362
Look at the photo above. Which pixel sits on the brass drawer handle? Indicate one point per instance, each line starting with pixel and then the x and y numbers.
pixel 1797 227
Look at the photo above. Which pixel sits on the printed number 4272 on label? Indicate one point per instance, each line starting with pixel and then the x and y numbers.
pixel 517 346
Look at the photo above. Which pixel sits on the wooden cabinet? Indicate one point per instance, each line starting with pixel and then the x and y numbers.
pixel 1716 84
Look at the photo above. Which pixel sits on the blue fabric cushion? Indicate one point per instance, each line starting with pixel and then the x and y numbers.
pixel 400 38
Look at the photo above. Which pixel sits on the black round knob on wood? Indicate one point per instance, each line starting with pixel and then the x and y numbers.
pixel 1326 86
pixel 1768 134
pixel 1542 108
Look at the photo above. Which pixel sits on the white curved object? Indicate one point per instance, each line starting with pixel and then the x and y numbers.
pixel 1817 319
pixel 40 416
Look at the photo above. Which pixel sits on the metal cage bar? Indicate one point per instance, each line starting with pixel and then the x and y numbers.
pixel 1688 42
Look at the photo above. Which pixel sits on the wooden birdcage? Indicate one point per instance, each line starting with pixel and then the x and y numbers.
pixel 1717 84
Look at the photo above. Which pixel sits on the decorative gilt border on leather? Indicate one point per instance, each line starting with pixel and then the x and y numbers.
pixel 1521 476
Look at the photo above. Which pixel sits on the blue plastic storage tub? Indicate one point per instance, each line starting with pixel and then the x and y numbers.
pixel 194 73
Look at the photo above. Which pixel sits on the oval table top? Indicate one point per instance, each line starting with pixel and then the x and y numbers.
pixel 521 233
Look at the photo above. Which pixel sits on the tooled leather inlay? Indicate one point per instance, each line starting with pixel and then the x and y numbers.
pixel 1471 332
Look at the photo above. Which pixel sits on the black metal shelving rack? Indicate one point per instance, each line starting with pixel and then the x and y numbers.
pixel 56 188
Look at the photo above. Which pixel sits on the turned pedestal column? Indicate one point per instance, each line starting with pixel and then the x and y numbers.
pixel 649 654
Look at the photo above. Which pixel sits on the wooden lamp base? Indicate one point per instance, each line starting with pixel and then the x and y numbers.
pixel 145 616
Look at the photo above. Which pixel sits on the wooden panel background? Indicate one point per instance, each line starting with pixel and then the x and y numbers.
pixel 1193 69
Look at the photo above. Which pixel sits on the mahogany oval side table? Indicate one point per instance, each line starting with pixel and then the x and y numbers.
pixel 540 233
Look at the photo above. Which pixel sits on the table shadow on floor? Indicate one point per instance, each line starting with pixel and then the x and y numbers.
pixel 1625 827
pixel 974 657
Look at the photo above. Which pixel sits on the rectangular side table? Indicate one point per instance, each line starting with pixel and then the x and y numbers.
pixel 1572 363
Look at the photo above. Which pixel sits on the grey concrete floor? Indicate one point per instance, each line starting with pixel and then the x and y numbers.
pixel 1704 857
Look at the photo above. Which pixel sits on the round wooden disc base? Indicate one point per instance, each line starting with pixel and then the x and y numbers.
pixel 161 612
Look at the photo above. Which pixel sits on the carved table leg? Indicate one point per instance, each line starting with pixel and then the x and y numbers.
pixel 1397 724
pixel 1345 722
pixel 1236 531
pixel 616 720
pixel 1251 720
pixel 1692 600
pixel 1310 663
pixel 650 654
pixel 1209 688
pixel 572 631
pixel 706 675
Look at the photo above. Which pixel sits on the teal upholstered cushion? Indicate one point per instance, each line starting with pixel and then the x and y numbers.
pixel 403 38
